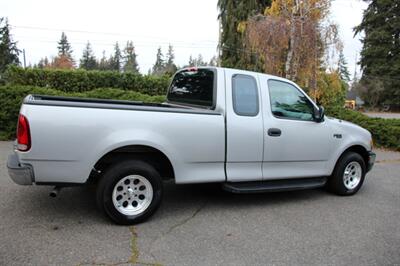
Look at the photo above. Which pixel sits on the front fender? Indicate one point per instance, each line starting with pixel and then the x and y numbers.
pixel 339 152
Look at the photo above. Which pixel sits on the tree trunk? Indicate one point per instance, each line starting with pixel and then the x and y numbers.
pixel 289 57
pixel 289 65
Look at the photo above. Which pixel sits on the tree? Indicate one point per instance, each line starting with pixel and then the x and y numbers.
pixel 372 91
pixel 291 39
pixel 170 67
pixel 159 65
pixel 200 61
pixel 64 47
pixel 195 62
pixel 64 58
pixel 342 68
pixel 130 64
pixel 103 64
pixel 213 61
pixel 62 62
pixel 115 60
pixel 44 63
pixel 233 15
pixel 88 60
pixel 331 90
pixel 380 55
pixel 192 61
pixel 8 48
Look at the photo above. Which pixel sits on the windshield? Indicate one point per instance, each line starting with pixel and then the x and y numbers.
pixel 194 87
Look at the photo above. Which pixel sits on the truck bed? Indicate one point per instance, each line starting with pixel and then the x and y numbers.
pixel 36 99
pixel 69 135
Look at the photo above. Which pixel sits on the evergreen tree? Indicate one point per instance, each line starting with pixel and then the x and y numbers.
pixel 195 62
pixel 192 61
pixel 8 48
pixel 64 47
pixel 103 64
pixel 115 60
pixel 232 17
pixel 170 67
pixel 130 64
pixel 170 55
pixel 64 59
pixel 43 63
pixel 88 60
pixel 200 61
pixel 213 61
pixel 380 55
pixel 159 65
pixel 342 68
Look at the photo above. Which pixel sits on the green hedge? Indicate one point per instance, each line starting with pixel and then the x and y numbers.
pixel 82 80
pixel 11 98
pixel 385 132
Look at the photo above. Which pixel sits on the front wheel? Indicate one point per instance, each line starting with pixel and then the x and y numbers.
pixel 349 174
pixel 129 192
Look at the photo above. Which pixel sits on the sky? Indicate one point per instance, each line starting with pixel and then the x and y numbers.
pixel 190 26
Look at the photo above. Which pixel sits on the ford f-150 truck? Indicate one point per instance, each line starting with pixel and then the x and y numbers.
pixel 249 131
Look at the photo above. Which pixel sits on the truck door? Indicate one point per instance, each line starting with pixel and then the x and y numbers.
pixel 244 127
pixel 295 145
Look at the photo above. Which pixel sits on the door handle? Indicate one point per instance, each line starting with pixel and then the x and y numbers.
pixel 274 132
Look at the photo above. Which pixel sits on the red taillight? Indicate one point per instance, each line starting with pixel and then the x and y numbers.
pixel 23 134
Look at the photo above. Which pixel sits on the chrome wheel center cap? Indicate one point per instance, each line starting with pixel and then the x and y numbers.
pixel 130 192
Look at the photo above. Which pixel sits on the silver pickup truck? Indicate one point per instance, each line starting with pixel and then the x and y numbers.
pixel 249 131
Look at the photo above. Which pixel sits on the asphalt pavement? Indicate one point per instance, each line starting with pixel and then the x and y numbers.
pixel 383 115
pixel 202 225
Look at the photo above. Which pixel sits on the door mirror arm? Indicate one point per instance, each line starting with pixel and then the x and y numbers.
pixel 319 114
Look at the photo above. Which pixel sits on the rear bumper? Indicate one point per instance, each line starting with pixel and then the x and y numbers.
pixel 371 160
pixel 19 173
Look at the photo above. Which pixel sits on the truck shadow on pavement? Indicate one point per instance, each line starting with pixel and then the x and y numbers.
pixel 78 203
pixel 178 198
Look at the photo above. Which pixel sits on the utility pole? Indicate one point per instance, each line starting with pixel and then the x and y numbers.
pixel 219 48
pixel 23 52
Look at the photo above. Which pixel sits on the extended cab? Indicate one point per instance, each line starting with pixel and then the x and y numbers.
pixel 249 131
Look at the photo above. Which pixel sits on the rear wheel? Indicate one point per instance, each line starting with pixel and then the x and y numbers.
pixel 129 192
pixel 349 174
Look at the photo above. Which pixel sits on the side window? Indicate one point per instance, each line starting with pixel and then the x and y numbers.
pixel 288 102
pixel 245 95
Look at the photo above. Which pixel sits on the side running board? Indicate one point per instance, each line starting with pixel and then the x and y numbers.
pixel 275 185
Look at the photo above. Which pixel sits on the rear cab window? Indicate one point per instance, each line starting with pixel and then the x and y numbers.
pixel 194 87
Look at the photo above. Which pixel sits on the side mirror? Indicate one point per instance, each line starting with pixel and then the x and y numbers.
pixel 319 114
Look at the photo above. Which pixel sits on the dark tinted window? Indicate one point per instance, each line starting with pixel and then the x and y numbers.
pixel 194 87
pixel 245 95
pixel 288 102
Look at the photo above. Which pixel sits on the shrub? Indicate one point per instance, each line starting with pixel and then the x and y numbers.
pixel 385 132
pixel 331 90
pixel 82 80
pixel 11 98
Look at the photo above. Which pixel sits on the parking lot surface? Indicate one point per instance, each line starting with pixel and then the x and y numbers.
pixel 202 225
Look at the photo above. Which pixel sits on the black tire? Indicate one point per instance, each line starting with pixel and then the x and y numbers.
pixel 336 183
pixel 119 171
